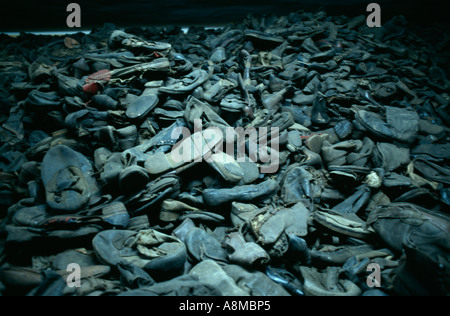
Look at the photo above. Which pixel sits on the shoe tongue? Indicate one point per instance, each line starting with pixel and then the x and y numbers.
pixel 65 180
pixel 153 244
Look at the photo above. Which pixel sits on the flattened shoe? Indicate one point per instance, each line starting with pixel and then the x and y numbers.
pixel 437 152
pixel 146 102
pixel 127 137
pixel 336 154
pixel 171 210
pixel 327 283
pixel 186 84
pixel 300 181
pixel 241 193
pixel 196 109
pixel 210 273
pixel 347 224
pixel 38 219
pixel 390 157
pixel 286 279
pixel 268 225
pixel 242 213
pixel 255 282
pixel 164 187
pixel 232 103
pixel 432 171
pixel 423 237
pixel 355 202
pixel 38 100
pixel 25 279
pixel 161 255
pixel 360 158
pixel 262 39
pixel 339 255
pixel 217 92
pixel 245 253
pixel 202 246
pixel 136 44
pixel 68 180
pixel 399 124
pixel 402 223
pixel 199 146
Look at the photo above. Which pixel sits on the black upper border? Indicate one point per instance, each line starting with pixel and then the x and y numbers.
pixel 29 15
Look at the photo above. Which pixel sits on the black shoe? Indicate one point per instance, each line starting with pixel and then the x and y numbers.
pixel 245 193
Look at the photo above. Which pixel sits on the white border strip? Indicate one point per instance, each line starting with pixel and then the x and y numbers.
pixel 62 33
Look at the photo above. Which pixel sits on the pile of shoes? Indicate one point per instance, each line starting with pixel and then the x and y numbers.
pixel 358 203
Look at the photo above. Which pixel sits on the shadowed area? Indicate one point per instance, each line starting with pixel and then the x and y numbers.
pixel 27 15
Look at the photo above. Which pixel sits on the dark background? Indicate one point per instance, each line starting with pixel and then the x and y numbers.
pixel 47 15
